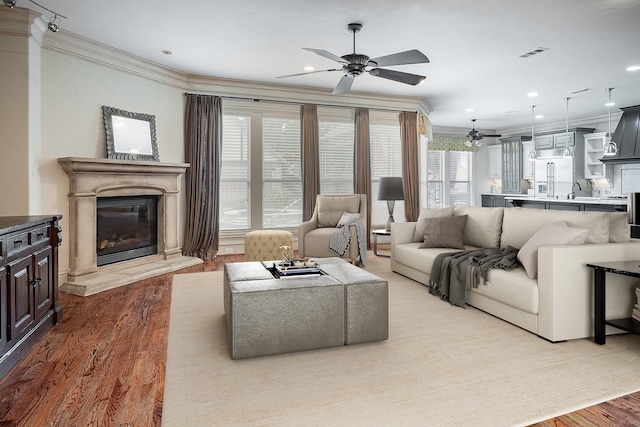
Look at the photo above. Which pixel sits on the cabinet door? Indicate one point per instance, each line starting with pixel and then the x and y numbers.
pixel 4 308
pixel 20 296
pixel 495 162
pixel 487 201
pixel 43 285
pixel 558 206
pixel 561 140
pixel 528 166
pixel 498 201
pixel 544 142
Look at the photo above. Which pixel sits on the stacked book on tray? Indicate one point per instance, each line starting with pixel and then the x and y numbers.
pixel 636 306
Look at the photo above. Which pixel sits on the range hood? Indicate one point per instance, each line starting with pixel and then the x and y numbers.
pixel 627 137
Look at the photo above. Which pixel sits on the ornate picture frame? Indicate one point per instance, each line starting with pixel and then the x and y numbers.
pixel 130 136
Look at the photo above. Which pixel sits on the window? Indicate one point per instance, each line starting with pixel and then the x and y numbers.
pixel 261 182
pixel 235 175
pixel 281 173
pixel 448 178
pixel 335 146
pixel 386 160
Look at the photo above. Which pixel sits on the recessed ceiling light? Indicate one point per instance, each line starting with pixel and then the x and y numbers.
pixel 609 104
pixel 309 68
pixel 633 68
pixel 511 112
pixel 539 116
pixel 532 94
pixel 166 52
pixel 468 110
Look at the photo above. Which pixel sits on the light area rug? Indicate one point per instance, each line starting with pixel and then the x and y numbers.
pixel 441 366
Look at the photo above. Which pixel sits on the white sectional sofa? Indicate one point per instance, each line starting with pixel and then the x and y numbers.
pixel 558 304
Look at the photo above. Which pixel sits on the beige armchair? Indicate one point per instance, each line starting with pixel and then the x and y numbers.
pixel 314 235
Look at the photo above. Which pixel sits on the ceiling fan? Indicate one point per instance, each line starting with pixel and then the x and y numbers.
pixel 355 64
pixel 475 136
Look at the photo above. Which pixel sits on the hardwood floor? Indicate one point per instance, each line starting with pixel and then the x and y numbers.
pixel 104 365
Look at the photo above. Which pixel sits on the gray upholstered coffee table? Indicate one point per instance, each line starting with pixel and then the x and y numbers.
pixel 267 315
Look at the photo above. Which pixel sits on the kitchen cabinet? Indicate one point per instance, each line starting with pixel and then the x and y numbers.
pixel 528 166
pixel 512 164
pixel 544 142
pixel 593 152
pixel 495 161
pixel 29 303
pixel 559 139
pixel 491 201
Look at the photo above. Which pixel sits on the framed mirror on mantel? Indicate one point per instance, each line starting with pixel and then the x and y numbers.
pixel 130 136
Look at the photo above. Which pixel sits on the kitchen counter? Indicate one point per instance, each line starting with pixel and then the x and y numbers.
pixel 577 200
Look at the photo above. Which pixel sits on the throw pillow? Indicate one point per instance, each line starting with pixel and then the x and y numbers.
pixel 346 217
pixel 444 232
pixel 557 233
pixel 418 234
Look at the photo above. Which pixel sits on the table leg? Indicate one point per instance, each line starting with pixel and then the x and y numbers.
pixel 599 306
pixel 375 247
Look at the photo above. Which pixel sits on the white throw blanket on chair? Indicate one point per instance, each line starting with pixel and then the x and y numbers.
pixel 341 239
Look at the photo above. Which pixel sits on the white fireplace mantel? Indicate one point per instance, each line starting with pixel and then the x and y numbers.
pixel 90 179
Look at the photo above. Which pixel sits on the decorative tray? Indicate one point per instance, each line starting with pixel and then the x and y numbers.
pixel 290 270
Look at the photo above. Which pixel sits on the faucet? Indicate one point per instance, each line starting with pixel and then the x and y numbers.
pixel 572 195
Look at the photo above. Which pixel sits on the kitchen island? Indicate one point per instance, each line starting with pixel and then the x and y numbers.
pixel 614 204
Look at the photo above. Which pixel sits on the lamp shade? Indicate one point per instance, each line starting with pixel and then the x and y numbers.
pixel 390 188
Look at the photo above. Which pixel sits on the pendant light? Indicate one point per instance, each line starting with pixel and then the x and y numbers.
pixel 568 150
pixel 532 153
pixel 610 148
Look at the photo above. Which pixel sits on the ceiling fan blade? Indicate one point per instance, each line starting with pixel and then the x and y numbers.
pixel 398 76
pixel 344 85
pixel 326 54
pixel 308 72
pixel 491 136
pixel 401 58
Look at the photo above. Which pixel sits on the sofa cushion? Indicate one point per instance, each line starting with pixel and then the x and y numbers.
pixel 421 260
pixel 512 288
pixel 619 228
pixel 519 224
pixel 556 233
pixel 444 232
pixel 346 218
pixel 331 208
pixel 418 235
pixel 484 225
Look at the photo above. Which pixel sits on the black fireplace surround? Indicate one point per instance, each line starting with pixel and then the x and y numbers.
pixel 127 228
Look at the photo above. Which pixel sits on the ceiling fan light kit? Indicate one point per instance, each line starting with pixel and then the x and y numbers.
pixel 475 136
pixel 355 64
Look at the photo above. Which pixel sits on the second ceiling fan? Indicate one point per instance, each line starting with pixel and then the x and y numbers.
pixel 355 64
pixel 475 136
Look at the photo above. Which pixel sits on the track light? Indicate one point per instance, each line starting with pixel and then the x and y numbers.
pixel 54 23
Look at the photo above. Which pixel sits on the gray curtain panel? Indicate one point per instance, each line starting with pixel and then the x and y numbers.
pixel 203 147
pixel 362 163
pixel 410 167
pixel 309 140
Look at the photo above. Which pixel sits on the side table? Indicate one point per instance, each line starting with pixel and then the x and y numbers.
pixel 627 268
pixel 377 233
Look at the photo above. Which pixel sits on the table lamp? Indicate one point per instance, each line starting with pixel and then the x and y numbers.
pixel 390 189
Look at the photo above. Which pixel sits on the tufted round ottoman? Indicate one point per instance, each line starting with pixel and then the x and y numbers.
pixel 264 245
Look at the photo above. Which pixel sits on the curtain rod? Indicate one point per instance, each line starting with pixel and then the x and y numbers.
pixel 276 101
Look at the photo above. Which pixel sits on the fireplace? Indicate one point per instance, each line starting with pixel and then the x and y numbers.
pixel 130 209
pixel 127 228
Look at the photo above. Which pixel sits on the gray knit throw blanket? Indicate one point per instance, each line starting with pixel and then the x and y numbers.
pixel 453 273
pixel 341 239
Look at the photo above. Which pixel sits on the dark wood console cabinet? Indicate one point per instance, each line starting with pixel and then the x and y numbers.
pixel 29 304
